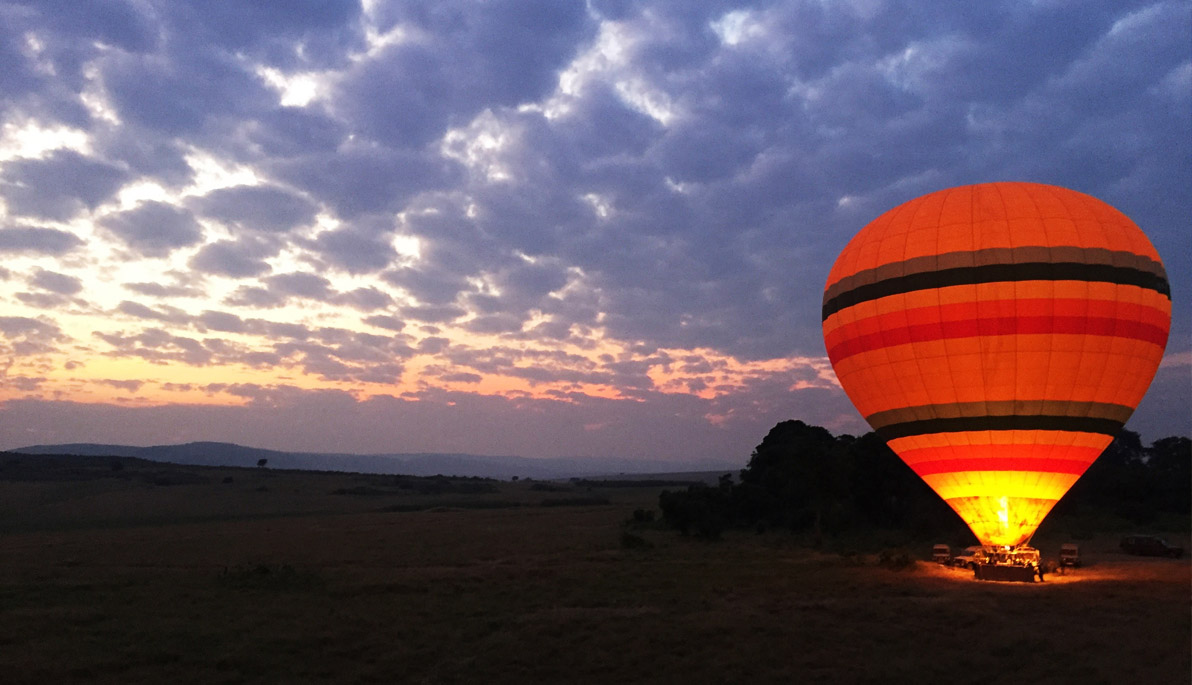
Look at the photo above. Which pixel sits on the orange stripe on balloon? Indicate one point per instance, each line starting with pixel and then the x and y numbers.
pixel 1061 367
pixel 1018 213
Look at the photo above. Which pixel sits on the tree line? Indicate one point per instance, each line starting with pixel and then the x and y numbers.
pixel 803 478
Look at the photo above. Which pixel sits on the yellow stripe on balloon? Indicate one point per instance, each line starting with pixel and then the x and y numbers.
pixel 1019 484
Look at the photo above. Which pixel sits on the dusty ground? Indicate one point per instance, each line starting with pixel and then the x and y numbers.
pixel 119 580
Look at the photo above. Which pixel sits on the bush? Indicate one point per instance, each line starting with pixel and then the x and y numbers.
pixel 896 559
pixel 269 577
pixel 643 515
pixel 440 485
pixel 575 501
pixel 700 509
pixel 632 541
pixel 550 487
pixel 804 479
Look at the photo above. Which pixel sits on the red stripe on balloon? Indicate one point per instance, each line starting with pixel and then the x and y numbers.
pixel 1022 307
pixel 1072 453
pixel 1002 325
pixel 1070 466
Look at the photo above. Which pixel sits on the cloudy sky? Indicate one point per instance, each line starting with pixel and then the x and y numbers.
pixel 526 227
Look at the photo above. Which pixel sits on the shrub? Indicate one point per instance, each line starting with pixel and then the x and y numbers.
pixel 270 577
pixel 633 541
pixel 550 487
pixel 895 559
pixel 700 510
pixel 574 501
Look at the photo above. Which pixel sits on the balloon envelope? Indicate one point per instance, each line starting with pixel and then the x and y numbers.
pixel 998 336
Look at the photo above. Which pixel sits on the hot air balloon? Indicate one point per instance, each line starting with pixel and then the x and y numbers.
pixel 998 336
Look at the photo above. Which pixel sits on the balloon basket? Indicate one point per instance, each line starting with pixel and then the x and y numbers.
pixel 1007 573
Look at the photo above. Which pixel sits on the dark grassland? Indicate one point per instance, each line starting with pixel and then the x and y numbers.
pixel 130 571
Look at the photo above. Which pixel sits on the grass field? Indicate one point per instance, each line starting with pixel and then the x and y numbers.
pixel 170 574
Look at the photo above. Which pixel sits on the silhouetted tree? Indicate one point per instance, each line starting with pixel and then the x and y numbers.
pixel 799 474
pixel 261 463
pixel 1171 457
pixel 1117 481
pixel 803 478
pixel 1169 462
pixel 1134 482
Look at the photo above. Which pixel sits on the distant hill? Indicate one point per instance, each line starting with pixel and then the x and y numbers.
pixel 415 464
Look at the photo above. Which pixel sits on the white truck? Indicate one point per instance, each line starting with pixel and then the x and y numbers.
pixel 969 557
pixel 941 554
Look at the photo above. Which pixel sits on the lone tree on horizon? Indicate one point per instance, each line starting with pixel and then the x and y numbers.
pixel 261 463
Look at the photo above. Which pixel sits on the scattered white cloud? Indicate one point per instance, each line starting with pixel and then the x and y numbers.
pixel 613 213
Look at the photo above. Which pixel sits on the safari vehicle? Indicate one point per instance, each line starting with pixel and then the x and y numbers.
pixel 970 557
pixel 1070 555
pixel 1150 546
pixel 941 554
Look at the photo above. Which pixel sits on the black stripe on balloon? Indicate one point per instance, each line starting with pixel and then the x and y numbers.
pixel 1074 424
pixel 998 273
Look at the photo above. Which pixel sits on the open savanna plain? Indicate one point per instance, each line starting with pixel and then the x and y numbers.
pixel 135 572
